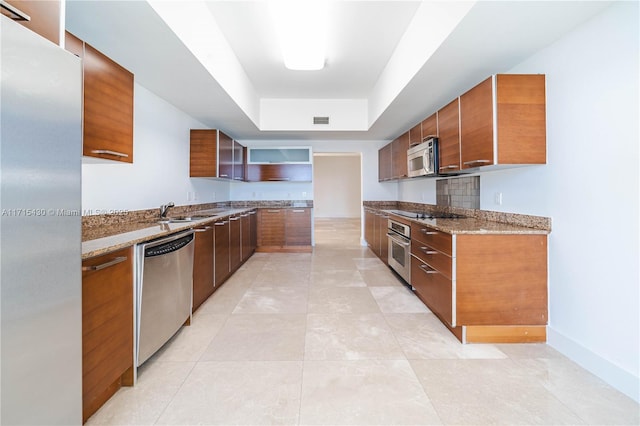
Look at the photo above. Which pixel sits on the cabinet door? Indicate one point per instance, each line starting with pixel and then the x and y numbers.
pixel 279 173
pixel 430 126
pixel 476 126
pixel 203 282
pixel 369 224
pixel 245 234
pixel 203 154
pixel 399 150
pixel 434 289
pixel 415 135
pixel 107 327
pixel 235 242
pixel 449 137
pixel 298 229
pixel 221 252
pixel 253 216
pixel 239 161
pixel 108 108
pixel 225 151
pixel 44 14
pixel 384 163
pixel 383 241
pixel 271 227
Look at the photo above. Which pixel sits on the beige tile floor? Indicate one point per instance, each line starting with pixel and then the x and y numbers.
pixel 333 338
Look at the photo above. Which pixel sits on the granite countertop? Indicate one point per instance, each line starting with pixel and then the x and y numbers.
pixel 472 225
pixel 130 233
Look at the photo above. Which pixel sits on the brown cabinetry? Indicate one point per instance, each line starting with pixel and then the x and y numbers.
pixel 107 327
pixel 211 154
pixel 44 14
pixel 235 242
pixel 503 121
pixel 399 148
pixel 284 229
pixel 221 252
pixel 225 156
pixel 239 161
pixel 279 173
pixel 203 281
pixel 449 137
pixel 385 165
pixel 485 288
pixel 108 104
pixel 248 229
pixel 429 126
pixel 376 225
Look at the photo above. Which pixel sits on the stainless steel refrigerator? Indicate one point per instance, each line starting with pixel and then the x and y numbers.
pixel 40 230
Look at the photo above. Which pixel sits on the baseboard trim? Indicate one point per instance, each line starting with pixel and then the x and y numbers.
pixel 619 378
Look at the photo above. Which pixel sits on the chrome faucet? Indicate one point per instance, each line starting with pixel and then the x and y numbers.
pixel 164 208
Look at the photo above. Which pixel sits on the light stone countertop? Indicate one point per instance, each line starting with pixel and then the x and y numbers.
pixel 146 231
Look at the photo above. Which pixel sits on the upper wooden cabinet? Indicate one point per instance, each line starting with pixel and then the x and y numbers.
pixel 239 161
pixel 415 135
pixel 449 138
pixel 286 164
pixel 385 165
pixel 430 126
pixel 503 121
pixel 108 104
pixel 45 16
pixel 211 154
pixel 399 148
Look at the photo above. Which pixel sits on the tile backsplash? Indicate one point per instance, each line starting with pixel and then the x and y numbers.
pixel 459 192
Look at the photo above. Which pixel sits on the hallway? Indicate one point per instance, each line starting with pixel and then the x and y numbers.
pixel 333 337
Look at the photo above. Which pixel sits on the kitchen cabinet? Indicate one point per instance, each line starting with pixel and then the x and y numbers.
pixel 203 279
pixel 239 161
pixel 221 252
pixel 286 164
pixel 45 16
pixel 248 230
pixel 211 154
pixel 429 126
pixel 369 227
pixel 483 287
pixel 385 166
pixel 107 327
pixel 235 242
pixel 449 137
pixel 284 230
pixel 503 121
pixel 399 148
pixel 376 224
pixel 108 106
pixel 415 135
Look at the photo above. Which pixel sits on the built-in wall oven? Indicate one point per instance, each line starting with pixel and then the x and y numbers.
pixel 399 236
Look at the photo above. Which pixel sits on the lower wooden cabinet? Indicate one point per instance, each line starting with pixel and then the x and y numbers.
pixel 221 252
pixel 235 242
pixel 248 224
pixel 284 229
pixel 203 282
pixel 376 224
pixel 107 328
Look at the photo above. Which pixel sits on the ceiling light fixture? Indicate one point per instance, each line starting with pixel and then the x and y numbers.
pixel 301 26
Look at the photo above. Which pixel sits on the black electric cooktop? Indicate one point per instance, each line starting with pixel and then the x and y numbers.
pixel 427 215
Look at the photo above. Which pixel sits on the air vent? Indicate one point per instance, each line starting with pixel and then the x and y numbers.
pixel 320 120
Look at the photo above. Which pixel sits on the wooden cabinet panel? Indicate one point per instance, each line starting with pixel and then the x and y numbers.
pixel 369 227
pixel 108 108
pixel 271 227
pixel 476 125
pixel 430 126
pixel 279 173
pixel 501 279
pixel 225 153
pixel 426 235
pixel 203 280
pixel 433 288
pixel 415 135
pixel 221 253
pixel 239 161
pixel 433 258
pixel 44 14
pixel 521 119
pixel 245 235
pixel 399 148
pixel 449 137
pixel 107 327
pixel 382 224
pixel 385 162
pixel 253 216
pixel 203 155
pixel 298 227
pixel 73 44
pixel 235 242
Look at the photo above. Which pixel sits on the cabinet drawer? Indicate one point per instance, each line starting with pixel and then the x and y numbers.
pixel 435 290
pixel 426 235
pixel 433 258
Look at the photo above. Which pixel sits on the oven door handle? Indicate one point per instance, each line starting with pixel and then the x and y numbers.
pixel 397 240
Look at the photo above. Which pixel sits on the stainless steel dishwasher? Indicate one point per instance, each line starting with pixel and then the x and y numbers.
pixel 163 291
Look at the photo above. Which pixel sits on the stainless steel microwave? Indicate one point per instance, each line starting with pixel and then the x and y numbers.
pixel 422 159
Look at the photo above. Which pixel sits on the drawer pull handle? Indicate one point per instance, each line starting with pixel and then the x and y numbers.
pixel 273 211
pixel 244 215
pixel 424 231
pixel 234 218
pixel 298 211
pixel 279 179
pixel 253 212
pixel 109 152
pixel 224 175
pixel 104 265
pixel 237 178
pixel 224 222
pixel 205 229
pixel 427 251
pixel 452 166
pixel 468 163
pixel 426 269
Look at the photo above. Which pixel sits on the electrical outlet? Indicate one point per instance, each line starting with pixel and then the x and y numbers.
pixel 304 194
pixel 498 198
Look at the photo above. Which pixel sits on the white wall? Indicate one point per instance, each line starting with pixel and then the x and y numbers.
pixel 337 186
pixel 590 189
pixel 160 171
